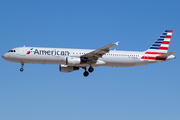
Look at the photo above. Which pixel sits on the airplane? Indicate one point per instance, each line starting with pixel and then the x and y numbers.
pixel 70 60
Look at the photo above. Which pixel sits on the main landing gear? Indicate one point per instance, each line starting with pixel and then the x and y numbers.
pixel 91 69
pixel 86 73
pixel 22 64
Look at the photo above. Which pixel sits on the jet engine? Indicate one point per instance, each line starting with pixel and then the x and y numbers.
pixel 66 68
pixel 73 61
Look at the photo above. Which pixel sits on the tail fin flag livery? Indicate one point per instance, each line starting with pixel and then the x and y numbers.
pixel 70 60
pixel 159 47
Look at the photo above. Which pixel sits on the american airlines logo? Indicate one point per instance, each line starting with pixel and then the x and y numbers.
pixel 29 51
pixel 51 52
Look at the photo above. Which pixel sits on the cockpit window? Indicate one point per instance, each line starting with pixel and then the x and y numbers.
pixel 12 51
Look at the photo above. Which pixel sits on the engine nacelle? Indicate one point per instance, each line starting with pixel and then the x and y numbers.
pixel 66 68
pixel 73 61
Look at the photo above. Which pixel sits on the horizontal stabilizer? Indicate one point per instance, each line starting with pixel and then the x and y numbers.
pixel 166 55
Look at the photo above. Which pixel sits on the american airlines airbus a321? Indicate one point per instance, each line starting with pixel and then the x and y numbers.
pixel 72 59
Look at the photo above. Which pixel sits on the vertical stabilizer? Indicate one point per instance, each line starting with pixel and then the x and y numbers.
pixel 161 45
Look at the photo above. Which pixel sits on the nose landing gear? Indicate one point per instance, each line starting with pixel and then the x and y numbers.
pixel 22 64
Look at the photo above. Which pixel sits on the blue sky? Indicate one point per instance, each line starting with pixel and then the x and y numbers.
pixel 133 93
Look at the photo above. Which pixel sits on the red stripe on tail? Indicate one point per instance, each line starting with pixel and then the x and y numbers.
pixel 165 42
pixel 152 58
pixel 168 36
pixel 155 53
pixel 170 31
pixel 163 48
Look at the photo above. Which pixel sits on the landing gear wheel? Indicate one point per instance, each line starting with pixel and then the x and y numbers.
pixel 21 69
pixel 22 65
pixel 85 73
pixel 91 69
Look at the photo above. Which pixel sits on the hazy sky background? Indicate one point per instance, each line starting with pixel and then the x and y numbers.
pixel 41 92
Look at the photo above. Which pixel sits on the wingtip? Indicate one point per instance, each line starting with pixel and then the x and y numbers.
pixel 117 43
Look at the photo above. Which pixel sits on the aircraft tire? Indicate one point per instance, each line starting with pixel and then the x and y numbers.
pixel 91 69
pixel 21 69
pixel 85 73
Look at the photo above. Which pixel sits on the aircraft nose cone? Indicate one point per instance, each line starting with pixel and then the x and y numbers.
pixel 4 56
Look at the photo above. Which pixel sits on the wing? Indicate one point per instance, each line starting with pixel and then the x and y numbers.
pixel 94 55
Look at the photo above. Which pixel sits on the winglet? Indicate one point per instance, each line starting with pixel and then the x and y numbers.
pixel 117 43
